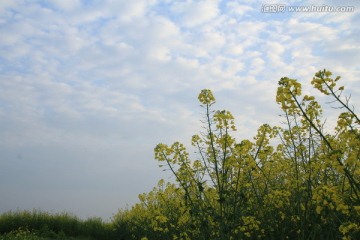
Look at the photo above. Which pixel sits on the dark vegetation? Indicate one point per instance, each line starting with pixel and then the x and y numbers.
pixel 36 225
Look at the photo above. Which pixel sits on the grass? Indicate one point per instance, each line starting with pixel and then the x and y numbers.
pixel 39 225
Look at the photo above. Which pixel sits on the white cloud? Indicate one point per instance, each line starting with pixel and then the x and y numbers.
pixel 234 49
pixel 194 13
pixel 235 7
pixel 310 31
pixel 7 4
pixel 257 66
pixel 67 5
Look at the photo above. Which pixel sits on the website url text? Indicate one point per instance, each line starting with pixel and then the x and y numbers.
pixel 282 8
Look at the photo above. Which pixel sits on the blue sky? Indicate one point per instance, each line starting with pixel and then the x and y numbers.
pixel 88 88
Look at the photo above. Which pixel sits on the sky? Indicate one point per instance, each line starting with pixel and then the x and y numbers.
pixel 89 88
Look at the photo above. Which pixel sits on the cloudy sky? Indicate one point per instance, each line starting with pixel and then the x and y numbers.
pixel 88 88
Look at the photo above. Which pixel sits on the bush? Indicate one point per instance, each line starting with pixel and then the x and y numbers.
pixel 21 234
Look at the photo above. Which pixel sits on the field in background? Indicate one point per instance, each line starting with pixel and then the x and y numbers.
pixel 39 225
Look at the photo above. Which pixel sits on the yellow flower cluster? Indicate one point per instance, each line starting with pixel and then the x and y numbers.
pixel 251 227
pixel 328 198
pixel 206 97
pixel 348 229
pixel 324 83
pixel 278 199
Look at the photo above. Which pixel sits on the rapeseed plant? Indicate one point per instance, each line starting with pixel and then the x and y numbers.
pixel 290 182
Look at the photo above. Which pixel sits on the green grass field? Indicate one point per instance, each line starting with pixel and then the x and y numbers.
pixel 39 225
